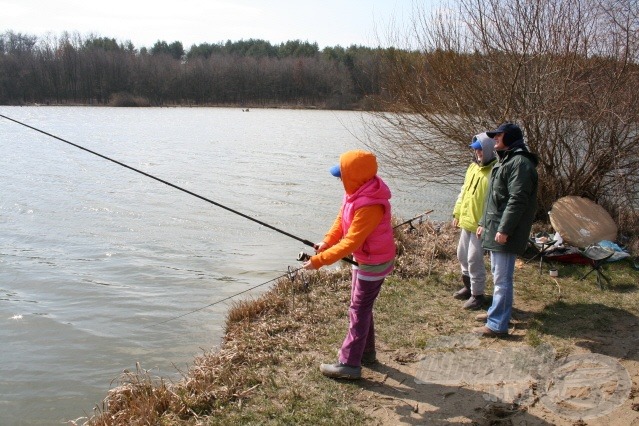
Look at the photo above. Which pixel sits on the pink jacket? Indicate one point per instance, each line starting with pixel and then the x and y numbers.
pixel 379 246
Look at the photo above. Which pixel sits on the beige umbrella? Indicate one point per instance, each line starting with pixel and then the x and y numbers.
pixel 581 222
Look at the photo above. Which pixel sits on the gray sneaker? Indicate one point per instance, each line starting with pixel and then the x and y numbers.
pixel 341 371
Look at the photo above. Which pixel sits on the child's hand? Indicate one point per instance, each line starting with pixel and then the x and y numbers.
pixel 320 247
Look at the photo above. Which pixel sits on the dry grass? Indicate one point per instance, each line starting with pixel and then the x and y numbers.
pixel 266 369
pixel 424 248
pixel 261 335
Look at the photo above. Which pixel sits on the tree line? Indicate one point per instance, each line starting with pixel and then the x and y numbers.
pixel 93 70
pixel 564 70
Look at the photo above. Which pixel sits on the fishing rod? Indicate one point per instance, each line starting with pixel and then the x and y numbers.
pixel 302 240
pixel 290 273
pixel 416 217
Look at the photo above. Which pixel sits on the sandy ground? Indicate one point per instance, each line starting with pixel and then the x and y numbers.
pixel 482 381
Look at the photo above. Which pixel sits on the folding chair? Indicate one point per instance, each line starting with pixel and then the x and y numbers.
pixel 598 257
pixel 541 247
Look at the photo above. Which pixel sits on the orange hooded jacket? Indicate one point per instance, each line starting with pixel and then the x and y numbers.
pixel 366 231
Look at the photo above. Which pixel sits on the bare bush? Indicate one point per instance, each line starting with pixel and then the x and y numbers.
pixel 564 70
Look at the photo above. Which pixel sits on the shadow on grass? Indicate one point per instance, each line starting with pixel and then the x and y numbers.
pixel 623 278
pixel 623 288
pixel 599 328
pixel 435 404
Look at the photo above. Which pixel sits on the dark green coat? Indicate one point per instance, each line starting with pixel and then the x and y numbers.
pixel 511 202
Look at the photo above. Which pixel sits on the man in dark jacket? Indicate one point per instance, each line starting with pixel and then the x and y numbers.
pixel 504 229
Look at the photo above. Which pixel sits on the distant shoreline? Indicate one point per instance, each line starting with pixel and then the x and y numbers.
pixel 243 107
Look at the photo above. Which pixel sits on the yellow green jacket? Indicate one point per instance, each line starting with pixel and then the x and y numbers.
pixel 470 204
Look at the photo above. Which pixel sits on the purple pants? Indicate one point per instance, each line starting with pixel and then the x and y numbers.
pixel 361 331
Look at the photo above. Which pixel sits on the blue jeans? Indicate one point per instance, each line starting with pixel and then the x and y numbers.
pixel 502 266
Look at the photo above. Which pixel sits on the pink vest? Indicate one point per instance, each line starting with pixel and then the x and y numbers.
pixel 379 246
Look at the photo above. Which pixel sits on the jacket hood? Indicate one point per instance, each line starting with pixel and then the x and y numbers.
pixel 505 155
pixel 487 147
pixel 533 157
pixel 357 167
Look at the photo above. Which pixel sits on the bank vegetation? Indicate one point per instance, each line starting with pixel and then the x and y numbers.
pixel 266 369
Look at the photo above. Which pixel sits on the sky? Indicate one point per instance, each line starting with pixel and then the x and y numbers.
pixel 326 22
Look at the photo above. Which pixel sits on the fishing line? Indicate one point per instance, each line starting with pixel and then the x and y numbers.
pixel 289 273
pixel 306 242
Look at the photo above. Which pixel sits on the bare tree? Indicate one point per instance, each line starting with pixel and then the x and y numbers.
pixel 564 70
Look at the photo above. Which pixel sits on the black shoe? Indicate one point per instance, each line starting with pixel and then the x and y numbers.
pixel 474 303
pixel 464 293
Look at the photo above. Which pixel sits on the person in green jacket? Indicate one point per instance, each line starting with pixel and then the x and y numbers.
pixel 466 215
pixel 511 205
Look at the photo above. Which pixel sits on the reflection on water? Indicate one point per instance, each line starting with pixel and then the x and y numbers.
pixel 94 256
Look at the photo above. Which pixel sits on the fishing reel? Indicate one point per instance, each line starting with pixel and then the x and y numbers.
pixel 303 257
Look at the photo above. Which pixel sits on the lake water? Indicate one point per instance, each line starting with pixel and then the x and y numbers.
pixel 93 255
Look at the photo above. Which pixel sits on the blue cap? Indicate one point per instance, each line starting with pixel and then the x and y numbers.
pixel 335 171
pixel 476 145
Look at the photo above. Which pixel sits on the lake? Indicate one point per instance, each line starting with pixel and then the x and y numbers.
pixel 97 261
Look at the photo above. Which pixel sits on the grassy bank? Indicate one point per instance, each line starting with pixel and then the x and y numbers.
pixel 266 371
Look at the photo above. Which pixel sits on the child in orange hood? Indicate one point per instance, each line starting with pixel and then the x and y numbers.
pixel 362 228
